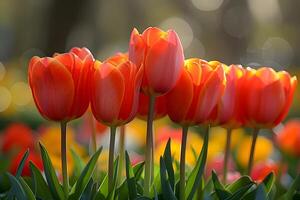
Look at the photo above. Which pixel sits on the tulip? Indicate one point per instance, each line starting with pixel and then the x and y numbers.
pixel 161 55
pixel 60 88
pixel 193 100
pixel 114 97
pixel 160 109
pixel 266 99
pixel 227 111
pixel 261 170
pixel 59 84
pixel 288 139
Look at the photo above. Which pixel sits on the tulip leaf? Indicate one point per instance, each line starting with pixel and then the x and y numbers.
pixel 168 193
pixel 269 181
pixel 293 188
pixel 220 190
pixel 41 189
pixel 138 170
pixel 53 183
pixel 241 182
pixel 261 193
pixel 27 190
pixel 194 179
pixel 130 178
pixel 78 163
pixel 169 165
pixel 85 176
pixel 239 193
pixel 22 164
pixel 16 191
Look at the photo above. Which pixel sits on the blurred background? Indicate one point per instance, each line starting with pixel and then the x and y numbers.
pixel 251 32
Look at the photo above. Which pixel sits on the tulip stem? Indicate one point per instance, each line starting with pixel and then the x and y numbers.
pixel 121 152
pixel 111 159
pixel 64 167
pixel 252 151
pixel 94 139
pixel 182 162
pixel 149 157
pixel 227 154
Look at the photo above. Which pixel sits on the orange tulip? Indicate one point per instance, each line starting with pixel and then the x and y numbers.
pixel 197 92
pixel 161 55
pixel 115 90
pixel 227 112
pixel 266 96
pixel 160 109
pixel 288 139
pixel 261 170
pixel 60 84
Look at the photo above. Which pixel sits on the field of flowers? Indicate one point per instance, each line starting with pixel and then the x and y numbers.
pixel 150 123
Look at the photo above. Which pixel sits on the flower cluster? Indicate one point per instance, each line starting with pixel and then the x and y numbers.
pixel 154 79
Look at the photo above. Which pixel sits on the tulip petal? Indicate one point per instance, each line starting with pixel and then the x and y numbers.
pixel 52 88
pixel 137 48
pixel 180 99
pixel 163 66
pixel 152 34
pixel 107 93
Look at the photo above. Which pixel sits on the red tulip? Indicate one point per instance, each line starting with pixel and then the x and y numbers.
pixel 160 109
pixel 288 139
pixel 266 96
pixel 60 84
pixel 17 137
pixel 197 92
pixel 227 112
pixel 115 90
pixel 33 157
pixel 261 170
pixel 161 55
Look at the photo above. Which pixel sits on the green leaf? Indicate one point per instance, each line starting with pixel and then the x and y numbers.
pixel 103 189
pixel 78 163
pixel 16 191
pixel 220 190
pixel 138 170
pixel 241 182
pixel 165 184
pixel 269 182
pixel 85 176
pixel 41 189
pixel 22 164
pixel 291 191
pixel 242 191
pixel 28 192
pixel 169 165
pixel 53 183
pixel 130 179
pixel 194 179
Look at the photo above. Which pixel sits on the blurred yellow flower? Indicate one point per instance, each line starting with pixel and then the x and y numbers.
pixel 263 150
pixel 194 143
pixel 50 138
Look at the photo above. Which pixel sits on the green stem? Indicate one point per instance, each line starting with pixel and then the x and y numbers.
pixel 111 159
pixel 251 157
pixel 149 144
pixel 121 152
pixel 64 167
pixel 94 139
pixel 182 162
pixel 227 154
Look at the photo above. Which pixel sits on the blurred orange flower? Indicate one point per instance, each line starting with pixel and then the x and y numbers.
pixel 262 169
pixel 288 139
pixel 18 137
